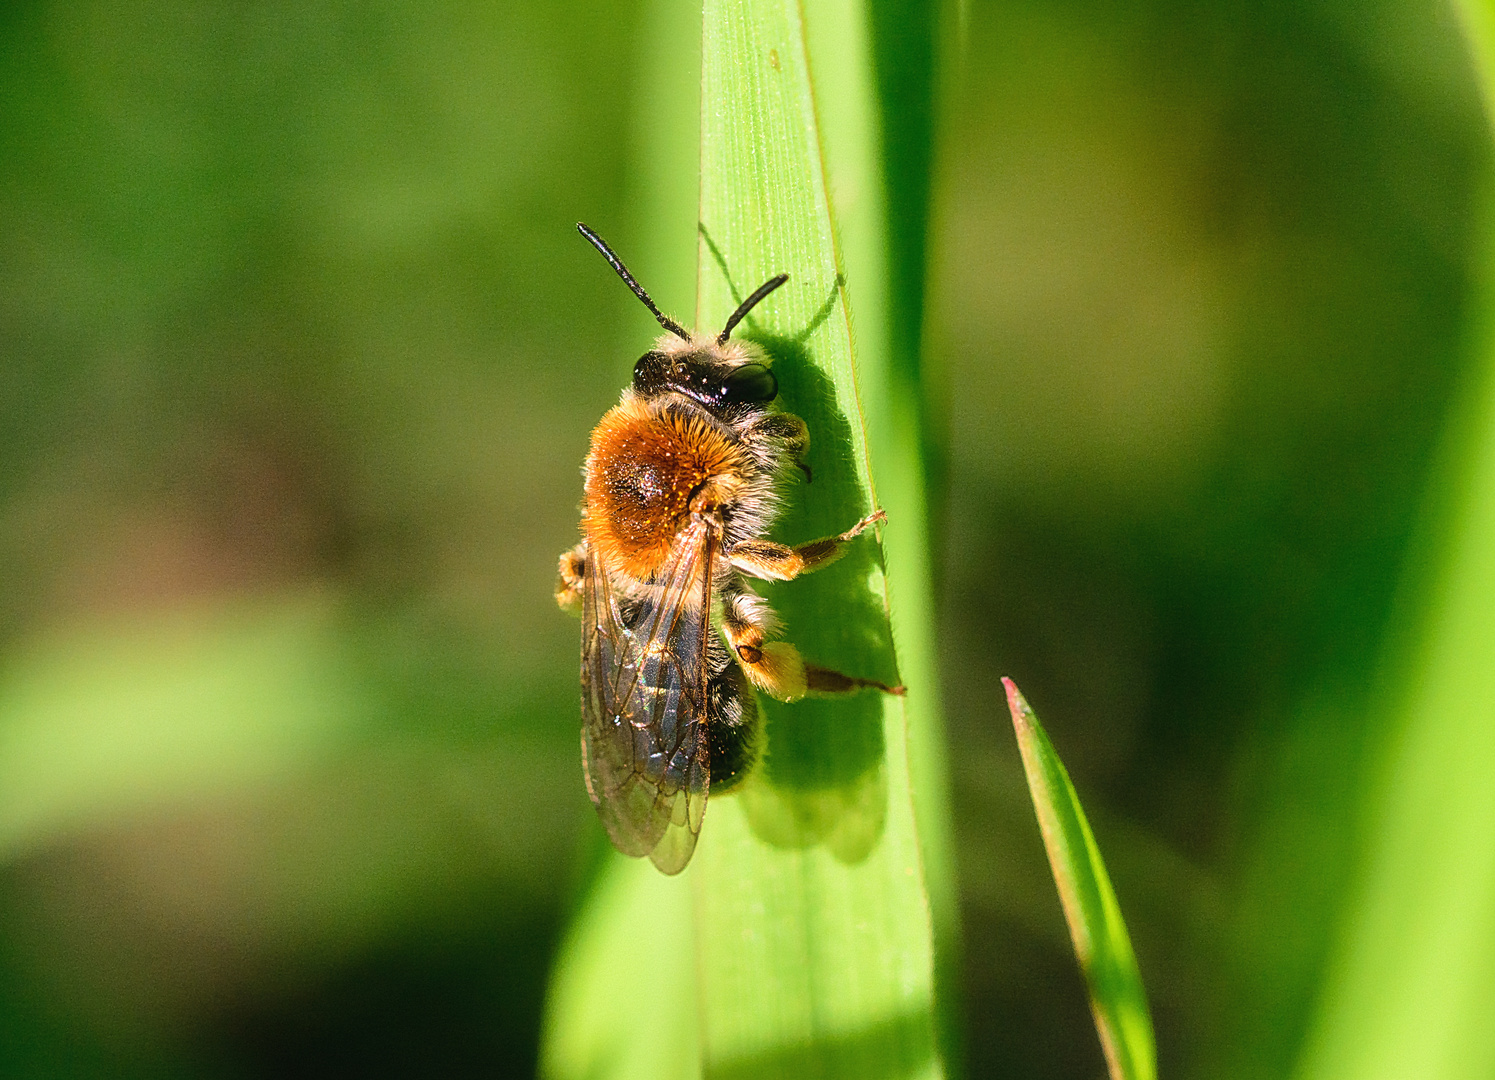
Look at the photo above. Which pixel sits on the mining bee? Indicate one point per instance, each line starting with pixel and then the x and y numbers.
pixel 682 484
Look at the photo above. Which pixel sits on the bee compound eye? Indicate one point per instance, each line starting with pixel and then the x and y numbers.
pixel 750 383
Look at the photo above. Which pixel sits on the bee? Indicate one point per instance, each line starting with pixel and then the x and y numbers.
pixel 682 483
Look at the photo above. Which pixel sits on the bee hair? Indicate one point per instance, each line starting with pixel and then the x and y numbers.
pixel 638 290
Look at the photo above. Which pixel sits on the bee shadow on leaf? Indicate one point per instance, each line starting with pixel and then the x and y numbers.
pixel 822 779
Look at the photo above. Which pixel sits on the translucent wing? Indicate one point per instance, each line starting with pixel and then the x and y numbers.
pixel 643 702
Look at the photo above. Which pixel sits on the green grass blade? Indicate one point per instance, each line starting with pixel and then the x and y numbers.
pixel 810 918
pixel 906 38
pixel 1411 985
pixel 813 920
pixel 1105 951
pixel 622 1004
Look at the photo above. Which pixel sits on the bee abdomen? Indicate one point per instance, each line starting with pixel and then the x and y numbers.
pixel 732 727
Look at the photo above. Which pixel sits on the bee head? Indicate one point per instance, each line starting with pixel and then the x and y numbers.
pixel 705 377
pixel 700 368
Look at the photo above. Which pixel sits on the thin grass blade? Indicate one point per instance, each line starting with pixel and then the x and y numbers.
pixel 1117 997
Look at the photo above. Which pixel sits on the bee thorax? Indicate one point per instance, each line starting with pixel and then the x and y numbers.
pixel 647 473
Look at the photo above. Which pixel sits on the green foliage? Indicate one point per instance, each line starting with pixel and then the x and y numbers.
pixel 298 356
pixel 1421 917
pixel 1095 924
pixel 810 924
pixel 622 1001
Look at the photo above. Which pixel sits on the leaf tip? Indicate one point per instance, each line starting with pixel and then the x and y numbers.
pixel 1017 705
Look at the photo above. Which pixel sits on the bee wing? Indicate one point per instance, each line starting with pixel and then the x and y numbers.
pixel 643 703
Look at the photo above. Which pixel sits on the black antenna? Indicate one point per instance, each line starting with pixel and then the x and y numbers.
pixel 747 305
pixel 638 290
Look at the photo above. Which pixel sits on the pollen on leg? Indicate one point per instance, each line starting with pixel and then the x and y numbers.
pixel 569 577
pixel 778 672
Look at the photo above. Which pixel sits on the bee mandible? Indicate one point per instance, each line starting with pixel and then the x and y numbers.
pixel 682 482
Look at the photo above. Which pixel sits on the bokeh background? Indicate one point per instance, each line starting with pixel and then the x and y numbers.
pixel 298 358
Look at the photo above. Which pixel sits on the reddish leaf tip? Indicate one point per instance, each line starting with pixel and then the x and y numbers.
pixel 1017 705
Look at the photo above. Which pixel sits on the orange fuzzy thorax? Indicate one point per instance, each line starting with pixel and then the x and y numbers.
pixel 645 474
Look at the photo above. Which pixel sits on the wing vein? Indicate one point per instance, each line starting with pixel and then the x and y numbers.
pixel 645 689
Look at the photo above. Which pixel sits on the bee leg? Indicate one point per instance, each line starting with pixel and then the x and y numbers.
pixel 568 581
pixel 779 435
pixel 780 562
pixel 819 680
pixel 772 666
pixel 775 667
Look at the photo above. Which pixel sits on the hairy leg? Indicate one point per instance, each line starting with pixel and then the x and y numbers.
pixel 780 562
pixel 572 572
pixel 775 667
pixel 779 434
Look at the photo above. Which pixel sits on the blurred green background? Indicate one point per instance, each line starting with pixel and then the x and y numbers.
pixel 299 354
